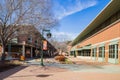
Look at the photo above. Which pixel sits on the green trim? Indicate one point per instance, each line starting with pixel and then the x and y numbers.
pixel 100 59
pixel 114 42
pixel 103 44
pixel 110 60
pixel 82 48
pixel 86 47
pixel 93 58
pixel 94 46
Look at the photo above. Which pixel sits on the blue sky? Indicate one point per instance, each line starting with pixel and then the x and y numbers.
pixel 74 16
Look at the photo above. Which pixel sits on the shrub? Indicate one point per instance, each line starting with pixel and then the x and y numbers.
pixel 60 58
pixel 67 61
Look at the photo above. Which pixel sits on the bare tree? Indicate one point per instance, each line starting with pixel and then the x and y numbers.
pixel 59 45
pixel 16 12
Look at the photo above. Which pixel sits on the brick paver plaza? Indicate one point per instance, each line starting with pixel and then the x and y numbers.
pixel 86 72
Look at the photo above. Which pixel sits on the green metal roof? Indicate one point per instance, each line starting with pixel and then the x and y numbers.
pixel 108 11
pixel 86 47
pixel 81 48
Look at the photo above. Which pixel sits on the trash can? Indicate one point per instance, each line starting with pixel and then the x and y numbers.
pixel 22 58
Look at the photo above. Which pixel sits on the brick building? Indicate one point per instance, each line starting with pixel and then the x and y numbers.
pixel 100 40
pixel 28 43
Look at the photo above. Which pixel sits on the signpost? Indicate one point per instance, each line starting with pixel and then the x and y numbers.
pixel 44 44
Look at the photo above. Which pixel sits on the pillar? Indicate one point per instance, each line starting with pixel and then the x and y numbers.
pixel 97 53
pixel 76 53
pixel 31 52
pixel 23 50
pixel 106 52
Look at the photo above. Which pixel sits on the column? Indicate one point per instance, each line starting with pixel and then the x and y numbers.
pixel 31 52
pixel 106 52
pixel 23 50
pixel 76 53
pixel 97 51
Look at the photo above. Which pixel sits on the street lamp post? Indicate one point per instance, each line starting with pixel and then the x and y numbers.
pixel 48 36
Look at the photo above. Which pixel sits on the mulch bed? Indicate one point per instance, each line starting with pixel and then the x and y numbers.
pixel 6 65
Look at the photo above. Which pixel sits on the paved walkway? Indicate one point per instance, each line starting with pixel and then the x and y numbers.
pixel 36 72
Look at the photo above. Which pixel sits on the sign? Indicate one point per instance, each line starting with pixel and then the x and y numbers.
pixel 44 45
pixel 48 35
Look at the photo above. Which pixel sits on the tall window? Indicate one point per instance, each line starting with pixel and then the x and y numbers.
pixel 102 51
pixel 87 53
pixel 79 53
pixel 30 39
pixel 94 52
pixel 113 51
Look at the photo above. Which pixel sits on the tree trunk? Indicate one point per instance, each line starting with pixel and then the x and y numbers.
pixel 3 53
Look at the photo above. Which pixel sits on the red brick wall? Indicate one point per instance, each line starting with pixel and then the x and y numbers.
pixel 108 34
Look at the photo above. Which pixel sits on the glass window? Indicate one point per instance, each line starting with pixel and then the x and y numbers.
pixel 117 51
pixel 94 52
pixel 102 51
pixel 112 50
pixel 88 52
pixel 79 53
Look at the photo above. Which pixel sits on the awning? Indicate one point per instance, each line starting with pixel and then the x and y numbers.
pixel 86 47
pixel 82 48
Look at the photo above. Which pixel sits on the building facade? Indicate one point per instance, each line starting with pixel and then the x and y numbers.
pixel 27 42
pixel 100 41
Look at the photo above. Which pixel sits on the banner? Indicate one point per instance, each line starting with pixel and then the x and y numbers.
pixel 44 45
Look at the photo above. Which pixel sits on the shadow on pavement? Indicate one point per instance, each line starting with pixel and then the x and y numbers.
pixel 12 71
pixel 44 75
pixel 40 75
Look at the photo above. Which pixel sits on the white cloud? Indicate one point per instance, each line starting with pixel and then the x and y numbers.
pixel 62 10
pixel 63 36
pixel 69 7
